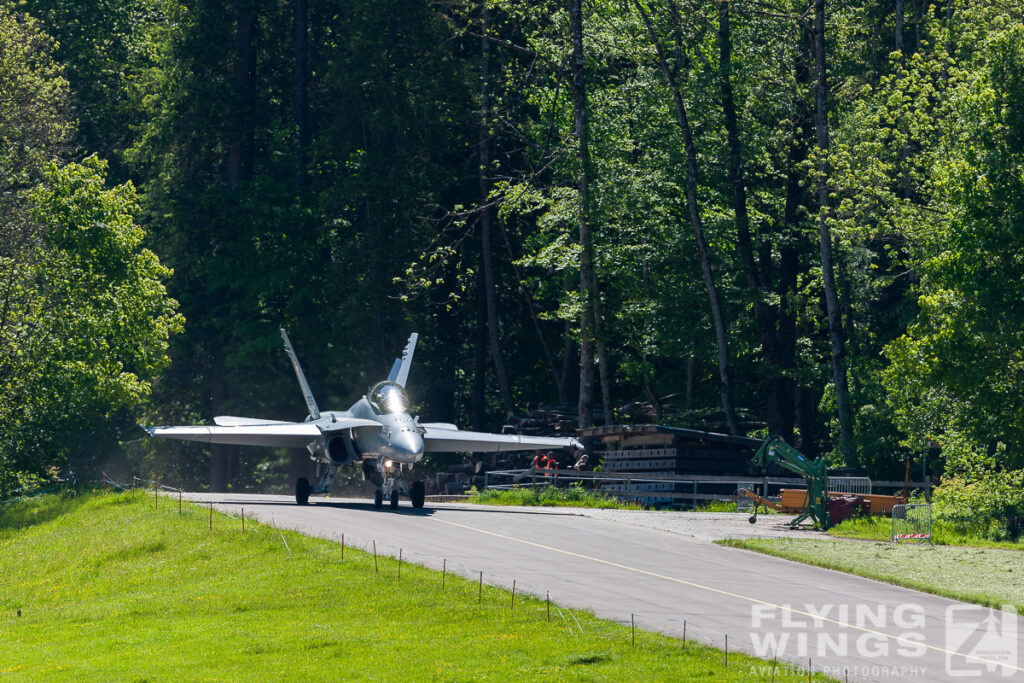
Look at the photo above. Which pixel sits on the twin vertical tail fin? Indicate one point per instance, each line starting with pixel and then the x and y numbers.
pixel 314 411
pixel 400 370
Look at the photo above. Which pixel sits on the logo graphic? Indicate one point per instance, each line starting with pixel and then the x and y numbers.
pixel 981 642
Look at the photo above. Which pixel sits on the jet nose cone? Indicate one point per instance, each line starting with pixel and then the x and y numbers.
pixel 407 446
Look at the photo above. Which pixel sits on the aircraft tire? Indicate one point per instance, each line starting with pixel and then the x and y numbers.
pixel 302 491
pixel 394 500
pixel 378 499
pixel 417 494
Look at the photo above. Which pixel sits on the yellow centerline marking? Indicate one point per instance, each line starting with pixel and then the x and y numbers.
pixel 747 598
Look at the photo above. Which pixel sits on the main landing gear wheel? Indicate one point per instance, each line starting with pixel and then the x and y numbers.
pixel 302 491
pixel 378 499
pixel 394 500
pixel 417 494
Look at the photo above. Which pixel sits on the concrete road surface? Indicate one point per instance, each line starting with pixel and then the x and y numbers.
pixel 844 625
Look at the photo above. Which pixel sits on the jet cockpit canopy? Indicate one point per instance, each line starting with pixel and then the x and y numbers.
pixel 389 398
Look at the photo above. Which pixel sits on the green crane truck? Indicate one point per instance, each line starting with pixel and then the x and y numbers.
pixel 775 450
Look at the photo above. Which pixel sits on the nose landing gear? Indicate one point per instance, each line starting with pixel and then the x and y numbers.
pixel 393 486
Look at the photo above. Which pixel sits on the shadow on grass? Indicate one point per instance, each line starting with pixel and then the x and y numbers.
pixel 29 512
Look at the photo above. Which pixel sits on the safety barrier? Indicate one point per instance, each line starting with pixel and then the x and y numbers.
pixel 852 485
pixel 912 523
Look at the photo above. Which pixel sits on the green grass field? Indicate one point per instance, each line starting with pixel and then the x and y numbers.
pixel 986 576
pixel 550 496
pixel 880 529
pixel 110 588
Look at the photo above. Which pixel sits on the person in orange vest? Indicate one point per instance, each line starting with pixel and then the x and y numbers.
pixel 536 464
pixel 551 466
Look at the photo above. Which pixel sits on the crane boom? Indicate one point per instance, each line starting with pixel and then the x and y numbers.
pixel 776 451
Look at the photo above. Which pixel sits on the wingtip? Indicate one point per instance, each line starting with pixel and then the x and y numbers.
pixel 151 431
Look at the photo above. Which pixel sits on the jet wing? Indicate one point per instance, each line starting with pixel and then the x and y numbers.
pixel 232 421
pixel 443 439
pixel 252 432
pixel 292 435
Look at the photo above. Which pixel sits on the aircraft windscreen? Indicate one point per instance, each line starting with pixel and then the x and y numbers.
pixel 389 397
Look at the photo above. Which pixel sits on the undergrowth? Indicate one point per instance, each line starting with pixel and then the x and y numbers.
pixel 551 496
pixel 876 528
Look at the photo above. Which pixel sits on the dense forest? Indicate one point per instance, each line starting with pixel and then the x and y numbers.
pixel 794 217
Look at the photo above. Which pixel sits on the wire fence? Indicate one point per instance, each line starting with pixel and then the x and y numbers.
pixel 69 484
pixel 616 628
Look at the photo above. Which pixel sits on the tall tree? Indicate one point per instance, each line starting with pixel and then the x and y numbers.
pixel 835 321
pixel 671 73
pixel 486 245
pixel 300 98
pixel 588 283
pixel 779 387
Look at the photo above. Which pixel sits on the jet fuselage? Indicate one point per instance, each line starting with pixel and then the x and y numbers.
pixel 399 439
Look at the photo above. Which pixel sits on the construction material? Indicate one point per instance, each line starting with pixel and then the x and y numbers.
pixel 795 500
pixel 764 501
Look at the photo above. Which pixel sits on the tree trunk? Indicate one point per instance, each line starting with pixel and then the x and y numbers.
pixel 808 420
pixel 586 239
pixel 301 97
pixel 480 356
pixel 240 119
pixel 691 377
pixel 764 316
pixel 603 363
pixel 560 381
pixel 835 323
pixel 920 7
pixel 782 395
pixel 899 14
pixel 568 354
pixel 219 453
pixel 717 314
pixel 487 264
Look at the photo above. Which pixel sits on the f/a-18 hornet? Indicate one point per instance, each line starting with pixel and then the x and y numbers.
pixel 377 430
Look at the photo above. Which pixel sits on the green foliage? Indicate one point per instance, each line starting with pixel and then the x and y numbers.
pixel 108 50
pixel 88 323
pixel 551 496
pixel 955 375
pixel 978 496
pixel 362 226
pixel 878 528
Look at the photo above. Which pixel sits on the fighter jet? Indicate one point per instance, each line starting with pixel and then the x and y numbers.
pixel 377 431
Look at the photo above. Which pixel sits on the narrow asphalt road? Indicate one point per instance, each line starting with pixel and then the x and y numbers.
pixel 844 625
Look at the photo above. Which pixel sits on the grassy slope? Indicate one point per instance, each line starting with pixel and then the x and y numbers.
pixel 111 589
pixel 985 576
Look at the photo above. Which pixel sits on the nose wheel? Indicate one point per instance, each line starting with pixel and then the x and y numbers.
pixel 393 486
